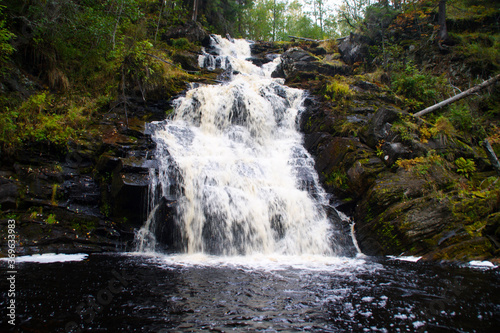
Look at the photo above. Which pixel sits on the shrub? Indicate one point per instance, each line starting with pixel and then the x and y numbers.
pixel 465 167
pixel 419 89
pixel 181 43
pixel 337 90
pixel 443 130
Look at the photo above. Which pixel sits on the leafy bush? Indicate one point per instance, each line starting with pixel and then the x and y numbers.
pixel 443 130
pixel 181 43
pixel 337 90
pixel 465 167
pixel 419 89
pixel 5 36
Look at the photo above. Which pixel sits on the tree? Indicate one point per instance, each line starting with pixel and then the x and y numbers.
pixel 195 10
pixel 351 13
pixel 6 48
pixel 443 31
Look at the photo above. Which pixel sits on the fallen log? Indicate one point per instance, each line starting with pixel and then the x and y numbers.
pixel 306 39
pixel 459 96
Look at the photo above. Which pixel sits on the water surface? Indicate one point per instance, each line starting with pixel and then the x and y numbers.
pixel 196 293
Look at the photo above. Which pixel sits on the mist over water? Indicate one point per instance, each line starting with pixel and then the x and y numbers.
pixel 232 160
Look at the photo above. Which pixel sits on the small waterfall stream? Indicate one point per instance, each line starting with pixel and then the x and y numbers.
pixel 232 167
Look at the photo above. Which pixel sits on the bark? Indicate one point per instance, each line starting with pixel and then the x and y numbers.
pixel 443 31
pixel 491 156
pixel 195 9
pixel 459 96
pixel 159 18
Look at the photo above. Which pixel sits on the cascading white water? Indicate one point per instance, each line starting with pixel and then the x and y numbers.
pixel 231 162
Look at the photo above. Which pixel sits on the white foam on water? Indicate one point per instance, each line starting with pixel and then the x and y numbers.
pixel 339 265
pixel 405 258
pixel 482 264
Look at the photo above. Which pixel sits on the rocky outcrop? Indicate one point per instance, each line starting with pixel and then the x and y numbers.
pixel 298 62
pixel 191 30
pixel 398 182
pixel 354 48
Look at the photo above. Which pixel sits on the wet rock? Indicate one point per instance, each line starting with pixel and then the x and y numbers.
pixel 9 191
pixel 264 52
pixel 129 192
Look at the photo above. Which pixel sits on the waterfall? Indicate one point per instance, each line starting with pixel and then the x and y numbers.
pixel 233 177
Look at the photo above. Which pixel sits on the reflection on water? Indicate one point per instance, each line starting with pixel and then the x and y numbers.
pixel 131 293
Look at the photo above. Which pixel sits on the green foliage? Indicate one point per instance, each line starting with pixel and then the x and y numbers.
pixel 418 88
pixel 443 130
pixel 421 165
pixel 337 90
pixel 43 118
pixel 337 179
pixel 51 219
pixel 405 128
pixel 465 167
pixel 181 43
pixel 6 49
pixel 276 20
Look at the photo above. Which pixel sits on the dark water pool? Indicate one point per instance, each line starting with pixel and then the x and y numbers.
pixel 128 293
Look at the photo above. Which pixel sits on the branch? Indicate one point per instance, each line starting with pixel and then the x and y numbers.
pixel 459 96
pixel 491 155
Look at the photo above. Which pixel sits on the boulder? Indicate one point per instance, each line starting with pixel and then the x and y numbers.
pixel 379 127
pixel 354 48
pixel 296 61
pixel 9 191
pixel 191 30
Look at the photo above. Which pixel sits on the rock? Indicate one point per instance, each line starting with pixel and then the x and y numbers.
pixel 264 52
pixel 9 191
pixel 296 61
pixel 354 48
pixel 129 191
pixel 191 30
pixel 363 173
pixel 187 60
pixel 394 151
pixel 379 127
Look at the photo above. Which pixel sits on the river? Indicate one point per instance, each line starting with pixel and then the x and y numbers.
pixel 202 293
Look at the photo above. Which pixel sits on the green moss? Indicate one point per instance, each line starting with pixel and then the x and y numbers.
pixel 388 237
pixel 478 248
pixel 337 179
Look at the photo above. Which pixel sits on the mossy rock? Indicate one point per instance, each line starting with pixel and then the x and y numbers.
pixel 479 248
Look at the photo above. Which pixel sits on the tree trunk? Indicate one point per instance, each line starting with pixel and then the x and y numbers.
pixel 459 96
pixel 274 21
pixel 159 18
pixel 491 156
pixel 195 10
pixel 443 31
pixel 117 23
